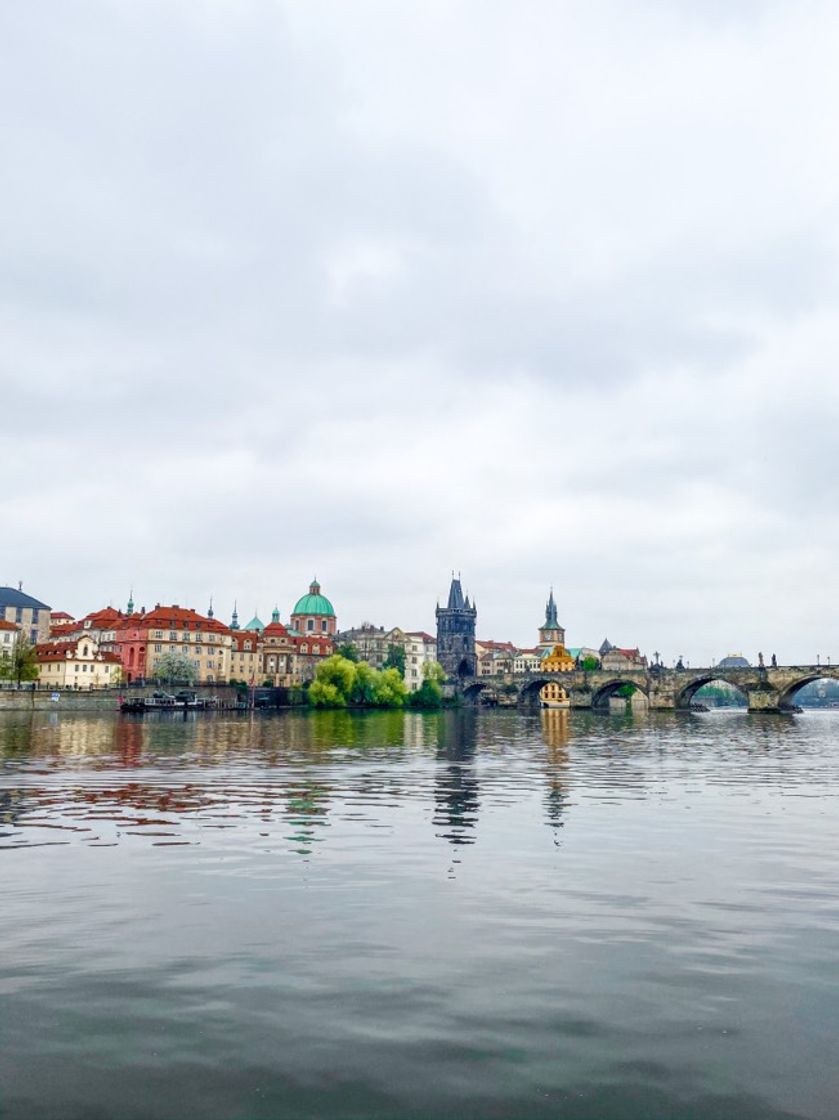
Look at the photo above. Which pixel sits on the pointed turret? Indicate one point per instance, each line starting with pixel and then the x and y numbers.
pixel 234 621
pixel 455 602
pixel 275 614
pixel 550 632
pixel 130 606
pixel 210 609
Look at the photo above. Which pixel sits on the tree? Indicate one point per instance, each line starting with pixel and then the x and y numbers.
pixel 430 692
pixel 349 651
pixel 22 663
pixel 173 666
pixel 395 658
pixel 339 682
pixel 590 663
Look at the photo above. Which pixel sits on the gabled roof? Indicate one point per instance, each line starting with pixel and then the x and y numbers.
pixel 14 597
pixel 7 625
pixel 61 616
pixel 420 634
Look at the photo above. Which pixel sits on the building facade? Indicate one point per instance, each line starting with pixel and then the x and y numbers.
pixel 78 664
pixel 456 634
pixel 142 639
pixel 30 616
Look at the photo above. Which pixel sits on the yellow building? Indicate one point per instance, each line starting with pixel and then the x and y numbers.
pixel 78 664
pixel 558 660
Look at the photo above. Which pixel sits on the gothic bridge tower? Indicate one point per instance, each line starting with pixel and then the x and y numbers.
pixel 456 634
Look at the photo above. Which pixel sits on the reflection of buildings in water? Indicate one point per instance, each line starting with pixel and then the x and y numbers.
pixel 456 787
pixel 556 731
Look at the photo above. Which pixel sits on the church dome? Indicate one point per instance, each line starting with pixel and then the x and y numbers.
pixel 314 603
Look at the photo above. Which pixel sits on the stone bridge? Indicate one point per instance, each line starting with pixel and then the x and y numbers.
pixel 766 690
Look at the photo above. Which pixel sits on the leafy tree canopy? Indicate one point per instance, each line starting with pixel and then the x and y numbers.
pixel 395 658
pixel 173 666
pixel 339 682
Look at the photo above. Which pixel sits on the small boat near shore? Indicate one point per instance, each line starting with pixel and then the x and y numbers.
pixel 167 702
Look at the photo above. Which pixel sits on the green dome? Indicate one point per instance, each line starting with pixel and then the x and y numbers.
pixel 314 603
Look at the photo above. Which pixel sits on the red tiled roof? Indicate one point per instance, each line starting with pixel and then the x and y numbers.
pixel 4 625
pixel 420 634
pixel 172 618
pixel 53 651
pixel 103 619
pixel 488 644
pixel 63 628
pixel 61 616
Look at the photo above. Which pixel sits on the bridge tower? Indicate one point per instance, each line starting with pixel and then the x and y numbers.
pixel 456 634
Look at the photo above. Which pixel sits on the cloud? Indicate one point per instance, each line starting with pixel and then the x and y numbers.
pixel 544 292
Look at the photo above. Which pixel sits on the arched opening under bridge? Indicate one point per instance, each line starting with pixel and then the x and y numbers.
pixel 711 692
pixel 633 696
pixel 811 691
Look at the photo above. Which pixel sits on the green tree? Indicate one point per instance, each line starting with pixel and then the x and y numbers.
pixel 395 658
pixel 339 682
pixel 590 664
pixel 349 651
pixel 430 692
pixel 173 666
pixel 22 663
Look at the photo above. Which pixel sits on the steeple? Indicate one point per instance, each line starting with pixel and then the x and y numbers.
pixel 234 621
pixel 210 609
pixel 550 632
pixel 551 622
pixel 455 602
pixel 275 614
pixel 130 606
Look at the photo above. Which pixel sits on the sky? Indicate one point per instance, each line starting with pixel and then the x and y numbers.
pixel 543 292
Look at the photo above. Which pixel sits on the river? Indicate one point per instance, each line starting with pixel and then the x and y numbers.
pixel 472 914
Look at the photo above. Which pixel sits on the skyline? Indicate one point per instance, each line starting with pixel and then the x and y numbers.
pixel 547 293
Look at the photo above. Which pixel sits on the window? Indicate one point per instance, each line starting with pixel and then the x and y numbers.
pixel 19 614
pixel 304 648
pixel 173 637
pixel 35 614
pixel 323 625
pixel 310 625
pixel 84 668
pixel 158 648
pixel 75 668
pixel 158 633
pixel 211 664
pixel 198 649
pixel 84 651
pixel 186 637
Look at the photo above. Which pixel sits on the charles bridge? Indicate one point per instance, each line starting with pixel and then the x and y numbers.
pixel 766 689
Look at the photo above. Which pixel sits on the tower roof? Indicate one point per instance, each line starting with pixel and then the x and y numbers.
pixel 551 622
pixel 456 602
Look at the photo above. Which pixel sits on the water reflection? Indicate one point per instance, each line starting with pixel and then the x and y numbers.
pixel 456 790
pixel 556 732
pixel 275 909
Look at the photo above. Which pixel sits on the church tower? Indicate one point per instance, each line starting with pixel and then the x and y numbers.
pixel 456 633
pixel 550 632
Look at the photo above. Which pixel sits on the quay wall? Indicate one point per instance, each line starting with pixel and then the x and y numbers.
pixel 99 699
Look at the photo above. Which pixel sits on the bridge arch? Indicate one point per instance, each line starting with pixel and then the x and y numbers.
pixel 788 694
pixel 604 692
pixel 684 698
pixel 472 691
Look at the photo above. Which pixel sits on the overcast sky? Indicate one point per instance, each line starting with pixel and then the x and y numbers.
pixel 545 292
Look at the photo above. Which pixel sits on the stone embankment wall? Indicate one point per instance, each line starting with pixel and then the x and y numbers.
pixel 100 699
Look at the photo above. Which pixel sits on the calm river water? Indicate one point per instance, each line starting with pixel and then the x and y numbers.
pixel 475 915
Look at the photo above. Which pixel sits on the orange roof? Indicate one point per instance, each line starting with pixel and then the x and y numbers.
pixel 242 636
pixel 172 618
pixel 7 625
pixel 104 619
pixel 507 646
pixel 61 616
pixel 60 628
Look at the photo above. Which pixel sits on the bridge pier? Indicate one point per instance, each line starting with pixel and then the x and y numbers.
pixel 764 699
